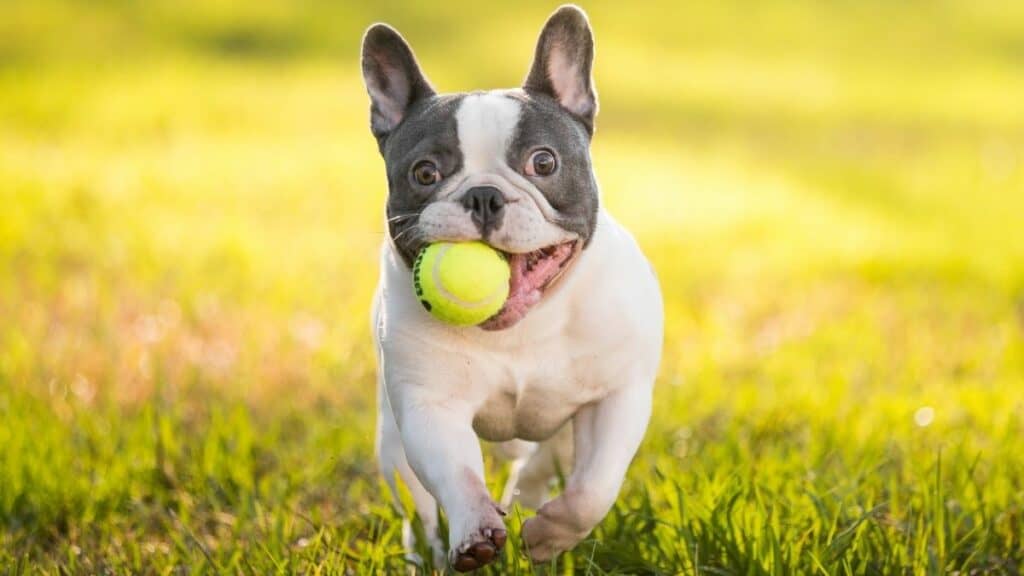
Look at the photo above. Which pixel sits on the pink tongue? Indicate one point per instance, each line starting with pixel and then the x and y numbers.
pixel 525 286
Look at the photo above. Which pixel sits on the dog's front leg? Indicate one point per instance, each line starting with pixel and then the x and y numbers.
pixel 443 450
pixel 606 435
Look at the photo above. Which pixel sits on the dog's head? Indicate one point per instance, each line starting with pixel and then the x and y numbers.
pixel 508 167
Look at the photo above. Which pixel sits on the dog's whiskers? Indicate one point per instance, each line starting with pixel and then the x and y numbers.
pixel 400 217
pixel 414 229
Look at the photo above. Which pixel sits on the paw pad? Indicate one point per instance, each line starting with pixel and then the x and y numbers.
pixel 481 553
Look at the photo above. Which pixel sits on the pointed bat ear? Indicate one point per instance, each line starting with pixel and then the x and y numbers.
pixel 562 64
pixel 393 78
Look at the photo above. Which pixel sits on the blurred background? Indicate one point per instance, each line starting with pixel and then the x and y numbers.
pixel 191 205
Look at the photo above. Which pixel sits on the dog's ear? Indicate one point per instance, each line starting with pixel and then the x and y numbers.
pixel 562 64
pixel 392 77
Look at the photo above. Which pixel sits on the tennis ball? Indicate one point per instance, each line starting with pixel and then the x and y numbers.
pixel 461 283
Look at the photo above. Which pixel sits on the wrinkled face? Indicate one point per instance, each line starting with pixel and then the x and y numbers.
pixel 502 167
pixel 509 167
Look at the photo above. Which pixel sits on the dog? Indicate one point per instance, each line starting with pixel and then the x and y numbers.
pixel 561 377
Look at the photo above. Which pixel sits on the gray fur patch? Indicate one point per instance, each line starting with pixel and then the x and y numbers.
pixel 572 189
pixel 428 132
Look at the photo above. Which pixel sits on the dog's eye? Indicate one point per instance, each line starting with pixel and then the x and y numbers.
pixel 425 173
pixel 542 163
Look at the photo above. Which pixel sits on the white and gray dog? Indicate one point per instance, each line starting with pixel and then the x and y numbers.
pixel 562 376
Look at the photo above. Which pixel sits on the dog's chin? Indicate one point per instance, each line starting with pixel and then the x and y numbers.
pixel 533 274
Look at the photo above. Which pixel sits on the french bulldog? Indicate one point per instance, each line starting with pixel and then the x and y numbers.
pixel 561 377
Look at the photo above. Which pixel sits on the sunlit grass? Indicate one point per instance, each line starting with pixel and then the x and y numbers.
pixel 832 195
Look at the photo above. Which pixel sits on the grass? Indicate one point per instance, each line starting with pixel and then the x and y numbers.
pixel 831 194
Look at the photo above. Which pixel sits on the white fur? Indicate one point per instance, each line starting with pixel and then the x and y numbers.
pixel 486 122
pixel 587 355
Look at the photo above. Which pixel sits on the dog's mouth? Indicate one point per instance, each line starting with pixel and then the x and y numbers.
pixel 533 273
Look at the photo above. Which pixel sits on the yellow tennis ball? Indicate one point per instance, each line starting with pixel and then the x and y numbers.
pixel 461 283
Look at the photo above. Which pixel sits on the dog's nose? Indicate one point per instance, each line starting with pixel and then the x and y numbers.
pixel 486 206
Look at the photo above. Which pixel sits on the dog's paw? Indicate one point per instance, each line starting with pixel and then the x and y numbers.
pixel 558 526
pixel 472 555
pixel 545 539
pixel 481 543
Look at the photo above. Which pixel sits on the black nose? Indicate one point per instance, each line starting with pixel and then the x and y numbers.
pixel 486 206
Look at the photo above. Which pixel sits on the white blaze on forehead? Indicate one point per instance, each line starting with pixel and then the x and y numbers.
pixel 486 123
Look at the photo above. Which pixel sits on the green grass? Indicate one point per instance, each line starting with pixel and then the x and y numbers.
pixel 832 194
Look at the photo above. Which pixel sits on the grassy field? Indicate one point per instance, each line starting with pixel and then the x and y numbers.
pixel 832 194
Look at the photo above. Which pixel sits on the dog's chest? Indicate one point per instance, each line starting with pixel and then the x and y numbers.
pixel 533 409
pixel 533 395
